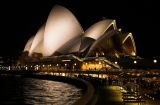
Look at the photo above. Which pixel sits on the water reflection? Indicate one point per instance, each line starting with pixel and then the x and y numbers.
pixel 37 92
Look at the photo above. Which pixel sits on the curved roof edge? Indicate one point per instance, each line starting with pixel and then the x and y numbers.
pixel 99 28
pixel 28 44
pixel 129 35
pixel 71 46
pixel 85 43
pixel 61 26
pixel 105 36
pixel 36 43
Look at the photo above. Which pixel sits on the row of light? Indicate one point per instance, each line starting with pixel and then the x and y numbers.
pixel 135 62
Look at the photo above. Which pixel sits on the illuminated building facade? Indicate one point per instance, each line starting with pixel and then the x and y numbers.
pixel 62 38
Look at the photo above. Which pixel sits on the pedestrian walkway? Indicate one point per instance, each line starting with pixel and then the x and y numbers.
pixel 110 95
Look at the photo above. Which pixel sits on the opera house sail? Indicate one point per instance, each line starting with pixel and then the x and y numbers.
pixel 62 38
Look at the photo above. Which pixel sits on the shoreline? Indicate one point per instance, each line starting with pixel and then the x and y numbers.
pixel 88 90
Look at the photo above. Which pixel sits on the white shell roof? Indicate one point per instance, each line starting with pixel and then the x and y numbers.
pixel 86 42
pixel 99 28
pixel 62 33
pixel 125 38
pixel 71 46
pixel 29 43
pixel 37 42
pixel 101 39
pixel 61 27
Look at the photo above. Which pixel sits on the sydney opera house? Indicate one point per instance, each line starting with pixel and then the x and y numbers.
pixel 62 42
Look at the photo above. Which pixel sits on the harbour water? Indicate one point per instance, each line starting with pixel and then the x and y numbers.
pixel 29 91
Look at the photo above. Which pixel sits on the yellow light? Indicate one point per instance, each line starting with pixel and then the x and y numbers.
pixel 91 66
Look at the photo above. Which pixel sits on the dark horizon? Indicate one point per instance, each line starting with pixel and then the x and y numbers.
pixel 21 20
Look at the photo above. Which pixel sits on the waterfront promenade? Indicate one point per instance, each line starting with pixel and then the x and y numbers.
pixel 109 95
pixel 106 93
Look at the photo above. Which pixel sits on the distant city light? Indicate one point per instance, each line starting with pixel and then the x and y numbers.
pixel 135 62
pixel 116 62
pixel 155 61
pixel 120 29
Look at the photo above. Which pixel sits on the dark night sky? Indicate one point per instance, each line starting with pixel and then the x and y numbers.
pixel 19 20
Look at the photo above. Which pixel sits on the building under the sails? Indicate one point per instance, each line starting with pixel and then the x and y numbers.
pixel 61 43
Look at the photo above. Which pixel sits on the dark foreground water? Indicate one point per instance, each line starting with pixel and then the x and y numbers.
pixel 29 91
